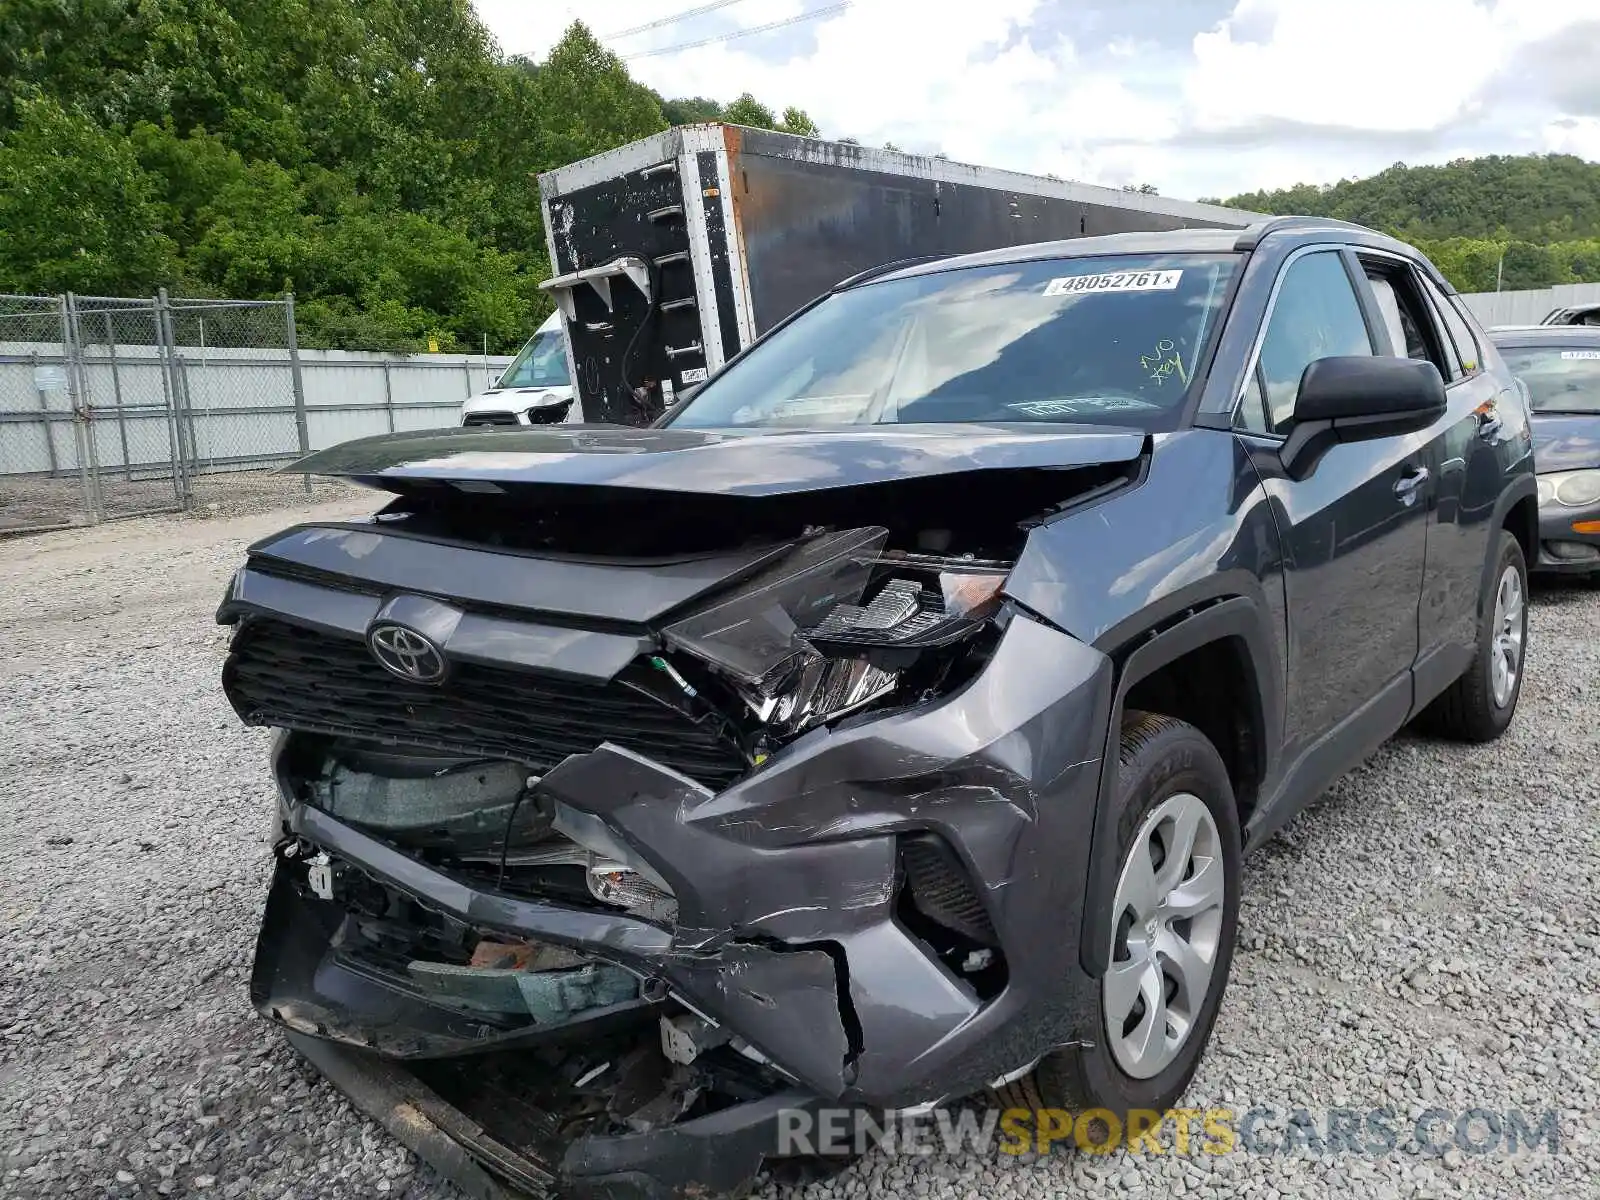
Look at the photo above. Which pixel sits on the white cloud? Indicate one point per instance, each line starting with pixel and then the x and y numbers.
pixel 1384 65
pixel 984 83
pixel 1574 135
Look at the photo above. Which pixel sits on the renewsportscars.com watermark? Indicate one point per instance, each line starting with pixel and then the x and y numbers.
pixel 1372 1132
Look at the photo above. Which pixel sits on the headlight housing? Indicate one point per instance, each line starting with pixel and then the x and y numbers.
pixel 1571 489
pixel 836 625
pixel 859 653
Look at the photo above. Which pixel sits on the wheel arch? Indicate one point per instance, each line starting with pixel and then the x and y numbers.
pixel 1521 520
pixel 1228 635
pixel 1516 512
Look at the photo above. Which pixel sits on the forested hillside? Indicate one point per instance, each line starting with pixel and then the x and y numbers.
pixel 1542 212
pixel 377 157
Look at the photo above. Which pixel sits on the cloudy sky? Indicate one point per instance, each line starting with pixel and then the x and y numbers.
pixel 1197 97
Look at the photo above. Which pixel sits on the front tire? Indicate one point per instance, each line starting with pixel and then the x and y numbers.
pixel 1171 926
pixel 1479 706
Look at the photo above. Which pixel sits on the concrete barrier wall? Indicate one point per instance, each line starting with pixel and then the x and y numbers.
pixel 1529 307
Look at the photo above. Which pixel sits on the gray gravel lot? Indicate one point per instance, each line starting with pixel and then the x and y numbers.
pixel 1425 936
pixel 31 502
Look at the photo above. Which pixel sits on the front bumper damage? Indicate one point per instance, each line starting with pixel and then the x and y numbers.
pixel 617 825
pixel 792 933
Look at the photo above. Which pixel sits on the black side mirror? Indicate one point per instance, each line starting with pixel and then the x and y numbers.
pixel 1363 389
pixel 1356 398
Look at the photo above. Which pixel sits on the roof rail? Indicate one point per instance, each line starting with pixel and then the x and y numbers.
pixel 885 268
pixel 1252 235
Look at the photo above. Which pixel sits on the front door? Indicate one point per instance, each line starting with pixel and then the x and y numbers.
pixel 1353 528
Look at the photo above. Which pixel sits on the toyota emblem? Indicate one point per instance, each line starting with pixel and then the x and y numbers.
pixel 406 653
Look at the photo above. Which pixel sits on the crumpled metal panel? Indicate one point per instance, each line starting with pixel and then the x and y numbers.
pixel 793 870
pixel 614 590
pixel 1006 771
pixel 754 631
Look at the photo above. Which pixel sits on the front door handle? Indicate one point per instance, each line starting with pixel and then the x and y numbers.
pixel 1409 484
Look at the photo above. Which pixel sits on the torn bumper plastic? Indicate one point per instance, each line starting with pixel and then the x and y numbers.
pixel 798 892
pixel 714 1155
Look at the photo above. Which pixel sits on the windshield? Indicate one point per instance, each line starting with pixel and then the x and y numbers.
pixel 541 363
pixel 1104 340
pixel 1559 378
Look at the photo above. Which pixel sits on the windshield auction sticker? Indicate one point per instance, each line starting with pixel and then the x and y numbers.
pixel 1115 281
pixel 1575 354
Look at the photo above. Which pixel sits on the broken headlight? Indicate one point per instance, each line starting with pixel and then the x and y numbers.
pixel 821 688
pixel 834 626
pixel 861 652
pixel 907 616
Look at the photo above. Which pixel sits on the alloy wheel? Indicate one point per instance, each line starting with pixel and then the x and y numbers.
pixel 1509 631
pixel 1167 923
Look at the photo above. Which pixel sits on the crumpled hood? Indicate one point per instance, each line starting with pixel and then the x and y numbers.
pixel 768 462
pixel 1565 442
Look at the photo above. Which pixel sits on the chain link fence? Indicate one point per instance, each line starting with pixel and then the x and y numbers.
pixel 41 427
pixel 114 407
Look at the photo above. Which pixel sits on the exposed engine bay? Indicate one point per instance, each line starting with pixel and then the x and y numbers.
pixel 620 815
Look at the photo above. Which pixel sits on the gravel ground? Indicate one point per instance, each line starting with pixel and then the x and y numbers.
pixel 1424 936
pixel 30 502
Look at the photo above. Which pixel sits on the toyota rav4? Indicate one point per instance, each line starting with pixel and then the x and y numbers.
pixel 887 722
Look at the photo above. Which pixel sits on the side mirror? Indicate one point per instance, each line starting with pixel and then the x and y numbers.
pixel 1356 398
pixel 1364 391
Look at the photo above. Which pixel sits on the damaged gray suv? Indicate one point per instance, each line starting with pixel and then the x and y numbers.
pixel 886 723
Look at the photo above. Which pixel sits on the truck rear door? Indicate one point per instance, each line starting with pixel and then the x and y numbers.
pixel 632 346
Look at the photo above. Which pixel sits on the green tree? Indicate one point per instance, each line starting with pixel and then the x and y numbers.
pixel 380 157
pixel 77 211
pixel 1466 214
pixel 591 103
pixel 795 121
pixel 747 110
pixel 691 110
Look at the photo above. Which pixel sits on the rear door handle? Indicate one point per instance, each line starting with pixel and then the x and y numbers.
pixel 1489 423
pixel 1409 484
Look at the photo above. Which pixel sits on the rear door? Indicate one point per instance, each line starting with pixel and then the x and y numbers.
pixel 630 352
pixel 1491 435
pixel 1460 458
pixel 1352 527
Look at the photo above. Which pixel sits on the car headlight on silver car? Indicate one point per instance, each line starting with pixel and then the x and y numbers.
pixel 1572 489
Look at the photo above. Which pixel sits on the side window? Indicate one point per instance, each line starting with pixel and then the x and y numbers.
pixel 1412 332
pixel 1466 340
pixel 1253 407
pixel 1469 359
pixel 1316 315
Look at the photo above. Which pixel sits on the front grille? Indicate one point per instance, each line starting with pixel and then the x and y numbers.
pixel 290 677
pixel 490 418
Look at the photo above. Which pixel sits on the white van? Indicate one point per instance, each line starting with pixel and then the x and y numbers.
pixel 534 390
